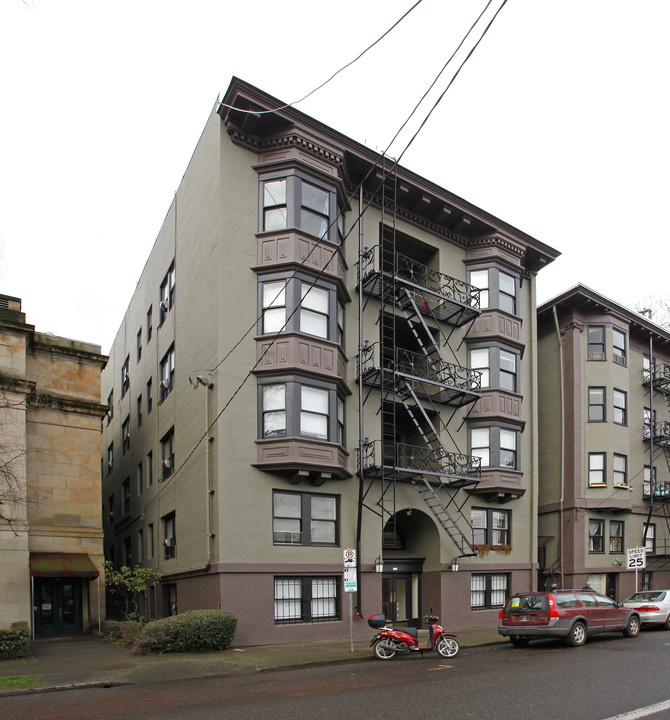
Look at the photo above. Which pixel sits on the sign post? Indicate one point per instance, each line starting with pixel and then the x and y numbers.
pixel 636 559
pixel 350 586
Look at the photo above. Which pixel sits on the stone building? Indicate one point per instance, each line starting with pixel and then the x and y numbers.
pixel 324 352
pixel 51 547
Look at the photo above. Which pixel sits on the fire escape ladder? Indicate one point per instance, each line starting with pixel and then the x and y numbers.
pixel 419 328
pixel 448 522
pixel 421 420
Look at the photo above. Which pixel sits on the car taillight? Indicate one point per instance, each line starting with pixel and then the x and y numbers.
pixel 648 608
pixel 553 610
pixel 501 614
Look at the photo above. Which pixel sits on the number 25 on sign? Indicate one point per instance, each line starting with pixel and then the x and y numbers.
pixel 636 558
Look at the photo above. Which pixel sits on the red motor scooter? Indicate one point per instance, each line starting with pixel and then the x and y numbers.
pixel 390 641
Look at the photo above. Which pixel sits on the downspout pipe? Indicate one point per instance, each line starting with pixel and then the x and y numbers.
pixel 561 470
pixel 361 305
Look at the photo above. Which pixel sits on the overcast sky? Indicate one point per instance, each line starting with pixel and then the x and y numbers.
pixel 558 124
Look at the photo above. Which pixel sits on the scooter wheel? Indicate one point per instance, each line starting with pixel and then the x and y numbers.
pixel 382 652
pixel 447 647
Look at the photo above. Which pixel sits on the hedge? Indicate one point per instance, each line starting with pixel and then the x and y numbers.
pixel 189 632
pixel 15 644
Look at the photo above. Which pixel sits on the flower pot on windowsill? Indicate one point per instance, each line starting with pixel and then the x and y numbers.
pixel 504 549
pixel 481 550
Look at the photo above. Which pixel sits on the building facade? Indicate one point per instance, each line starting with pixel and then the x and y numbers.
pixel 324 352
pixel 604 444
pixel 51 545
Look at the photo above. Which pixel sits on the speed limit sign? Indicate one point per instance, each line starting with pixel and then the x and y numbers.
pixel 636 558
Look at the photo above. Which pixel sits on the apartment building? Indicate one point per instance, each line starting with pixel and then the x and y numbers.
pixel 51 548
pixel 604 444
pixel 325 352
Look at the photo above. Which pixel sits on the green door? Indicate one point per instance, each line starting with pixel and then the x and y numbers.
pixel 57 606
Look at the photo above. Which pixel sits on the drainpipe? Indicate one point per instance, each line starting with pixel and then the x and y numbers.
pixel 361 440
pixel 562 449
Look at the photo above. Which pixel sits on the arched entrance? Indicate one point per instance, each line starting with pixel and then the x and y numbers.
pixel 411 550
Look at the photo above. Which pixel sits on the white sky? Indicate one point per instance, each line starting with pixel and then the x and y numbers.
pixel 558 124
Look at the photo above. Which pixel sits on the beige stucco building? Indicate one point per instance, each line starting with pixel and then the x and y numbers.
pixel 597 393
pixel 51 550
pixel 289 382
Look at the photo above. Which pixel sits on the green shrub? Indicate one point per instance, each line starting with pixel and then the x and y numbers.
pixel 189 632
pixel 111 629
pixel 15 644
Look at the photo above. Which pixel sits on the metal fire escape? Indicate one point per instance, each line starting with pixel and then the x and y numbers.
pixel 658 434
pixel 418 385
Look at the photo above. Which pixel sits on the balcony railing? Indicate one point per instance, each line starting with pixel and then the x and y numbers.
pixel 430 377
pixel 413 460
pixel 661 433
pixel 446 298
pixel 661 377
pixel 661 491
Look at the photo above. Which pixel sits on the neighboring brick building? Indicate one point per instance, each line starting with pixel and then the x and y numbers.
pixel 51 535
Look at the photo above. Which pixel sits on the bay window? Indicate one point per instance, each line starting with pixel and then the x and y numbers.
pixel 495 445
pixel 498 289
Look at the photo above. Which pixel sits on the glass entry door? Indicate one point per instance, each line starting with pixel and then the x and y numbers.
pixel 397 598
pixel 57 606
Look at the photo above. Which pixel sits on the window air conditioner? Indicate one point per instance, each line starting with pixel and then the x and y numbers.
pixel 163 306
pixel 167 463
pixel 165 384
pixel 169 542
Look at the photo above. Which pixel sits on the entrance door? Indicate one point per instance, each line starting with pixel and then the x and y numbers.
pixel 57 606
pixel 397 598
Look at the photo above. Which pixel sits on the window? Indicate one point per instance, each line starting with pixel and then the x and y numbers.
pixel 507 448
pixel 313 412
pixel 140 478
pixel 297 304
pixel 125 436
pixel 596 536
pixel 646 369
pixel 150 469
pixel 596 342
pixel 150 399
pixel 618 347
pixel 167 455
pixel 620 470
pixel 125 496
pixel 150 538
pixel 488 591
pixel 314 310
pixel 646 417
pixel 620 402
pixel 167 294
pixel 490 527
pixel 139 344
pixel 616 536
pixel 150 323
pixel 125 376
pixel 139 411
pixel 304 519
pixel 497 289
pixel 274 306
pixel 507 371
pixel 646 487
pixel 597 469
pixel 596 404
pixel 169 536
pixel 480 445
pixel 110 407
pixel 650 537
pixel 167 373
pixel 293 201
pixel 274 410
pixel 140 546
pixel 127 551
pixel 110 458
pixel 110 509
pixel 295 409
pixel 498 367
pixel 307 599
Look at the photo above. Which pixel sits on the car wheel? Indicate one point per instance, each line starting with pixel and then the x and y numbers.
pixel 577 635
pixel 633 627
pixel 519 641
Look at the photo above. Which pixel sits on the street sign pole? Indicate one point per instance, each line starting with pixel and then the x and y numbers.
pixel 350 587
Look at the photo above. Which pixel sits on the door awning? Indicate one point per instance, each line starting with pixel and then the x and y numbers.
pixel 62 565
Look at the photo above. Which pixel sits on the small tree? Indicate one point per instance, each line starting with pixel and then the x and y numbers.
pixel 130 583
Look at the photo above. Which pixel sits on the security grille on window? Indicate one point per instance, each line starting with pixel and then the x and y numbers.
pixel 307 600
pixel 488 591
pixel 304 519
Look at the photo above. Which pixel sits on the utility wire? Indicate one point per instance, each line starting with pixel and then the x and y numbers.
pixel 383 180
pixel 335 74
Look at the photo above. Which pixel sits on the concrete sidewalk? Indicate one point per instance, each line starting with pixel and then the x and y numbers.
pixel 86 661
